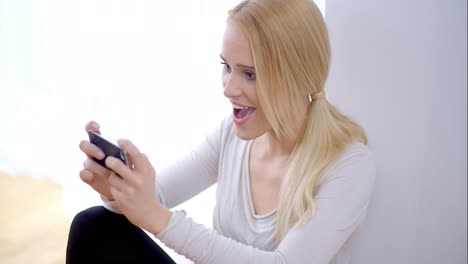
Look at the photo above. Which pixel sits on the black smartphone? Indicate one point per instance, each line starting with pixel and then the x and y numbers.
pixel 109 149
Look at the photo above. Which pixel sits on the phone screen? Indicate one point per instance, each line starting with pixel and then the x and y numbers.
pixel 108 148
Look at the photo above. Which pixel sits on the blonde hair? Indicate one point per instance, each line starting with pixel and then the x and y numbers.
pixel 291 54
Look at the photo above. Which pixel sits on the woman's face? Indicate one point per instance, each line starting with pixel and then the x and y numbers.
pixel 239 84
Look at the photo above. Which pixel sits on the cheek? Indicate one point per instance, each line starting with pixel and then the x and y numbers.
pixel 224 79
pixel 251 92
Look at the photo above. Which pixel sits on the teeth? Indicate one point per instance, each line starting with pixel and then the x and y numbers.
pixel 239 107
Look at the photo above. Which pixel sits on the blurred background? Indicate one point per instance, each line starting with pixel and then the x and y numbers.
pixel 145 70
pixel 149 71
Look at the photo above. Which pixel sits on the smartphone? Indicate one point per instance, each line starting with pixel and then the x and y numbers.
pixel 109 149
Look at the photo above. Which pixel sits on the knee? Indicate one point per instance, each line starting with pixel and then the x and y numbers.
pixel 91 221
pixel 88 217
pixel 84 235
pixel 95 220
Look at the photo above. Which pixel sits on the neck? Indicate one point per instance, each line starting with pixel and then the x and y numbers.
pixel 272 146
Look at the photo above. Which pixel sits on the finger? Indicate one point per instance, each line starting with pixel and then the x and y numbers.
pixel 119 167
pixel 91 150
pixel 93 126
pixel 86 176
pixel 94 167
pixel 129 147
pixel 117 182
pixel 100 183
pixel 115 194
pixel 139 160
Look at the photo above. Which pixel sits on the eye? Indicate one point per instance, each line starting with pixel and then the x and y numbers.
pixel 226 66
pixel 250 75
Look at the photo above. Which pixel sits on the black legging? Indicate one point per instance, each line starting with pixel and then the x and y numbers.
pixel 100 236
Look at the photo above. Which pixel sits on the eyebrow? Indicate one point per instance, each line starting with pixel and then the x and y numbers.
pixel 240 65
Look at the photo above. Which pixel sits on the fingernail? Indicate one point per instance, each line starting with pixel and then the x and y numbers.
pixel 100 155
pixel 87 163
pixel 120 141
pixel 109 161
pixel 95 126
pixel 88 177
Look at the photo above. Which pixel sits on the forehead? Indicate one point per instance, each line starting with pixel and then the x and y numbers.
pixel 236 47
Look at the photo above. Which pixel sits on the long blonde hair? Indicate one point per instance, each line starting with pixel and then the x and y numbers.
pixel 291 54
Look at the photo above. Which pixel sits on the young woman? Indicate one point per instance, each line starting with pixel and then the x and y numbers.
pixel 293 174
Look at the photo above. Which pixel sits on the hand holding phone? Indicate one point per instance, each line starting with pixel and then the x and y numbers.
pixel 108 148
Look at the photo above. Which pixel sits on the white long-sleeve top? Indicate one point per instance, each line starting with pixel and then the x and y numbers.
pixel 241 236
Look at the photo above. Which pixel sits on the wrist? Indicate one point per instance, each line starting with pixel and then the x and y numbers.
pixel 103 197
pixel 162 218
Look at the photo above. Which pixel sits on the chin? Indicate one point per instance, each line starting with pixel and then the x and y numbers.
pixel 245 134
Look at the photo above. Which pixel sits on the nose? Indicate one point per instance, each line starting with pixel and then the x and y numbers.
pixel 231 85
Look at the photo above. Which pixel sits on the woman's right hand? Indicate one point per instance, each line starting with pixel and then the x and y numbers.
pixel 94 174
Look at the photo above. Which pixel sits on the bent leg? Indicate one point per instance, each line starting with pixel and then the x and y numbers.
pixel 98 235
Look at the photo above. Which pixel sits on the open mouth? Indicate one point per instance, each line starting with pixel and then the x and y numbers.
pixel 242 113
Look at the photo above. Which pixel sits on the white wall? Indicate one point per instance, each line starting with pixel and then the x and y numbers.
pixel 399 67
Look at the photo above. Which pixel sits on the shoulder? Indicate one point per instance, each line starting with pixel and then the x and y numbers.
pixel 356 152
pixel 224 134
pixel 349 185
pixel 355 165
pixel 227 131
pixel 227 125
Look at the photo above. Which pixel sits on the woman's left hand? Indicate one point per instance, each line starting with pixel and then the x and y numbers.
pixel 135 190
